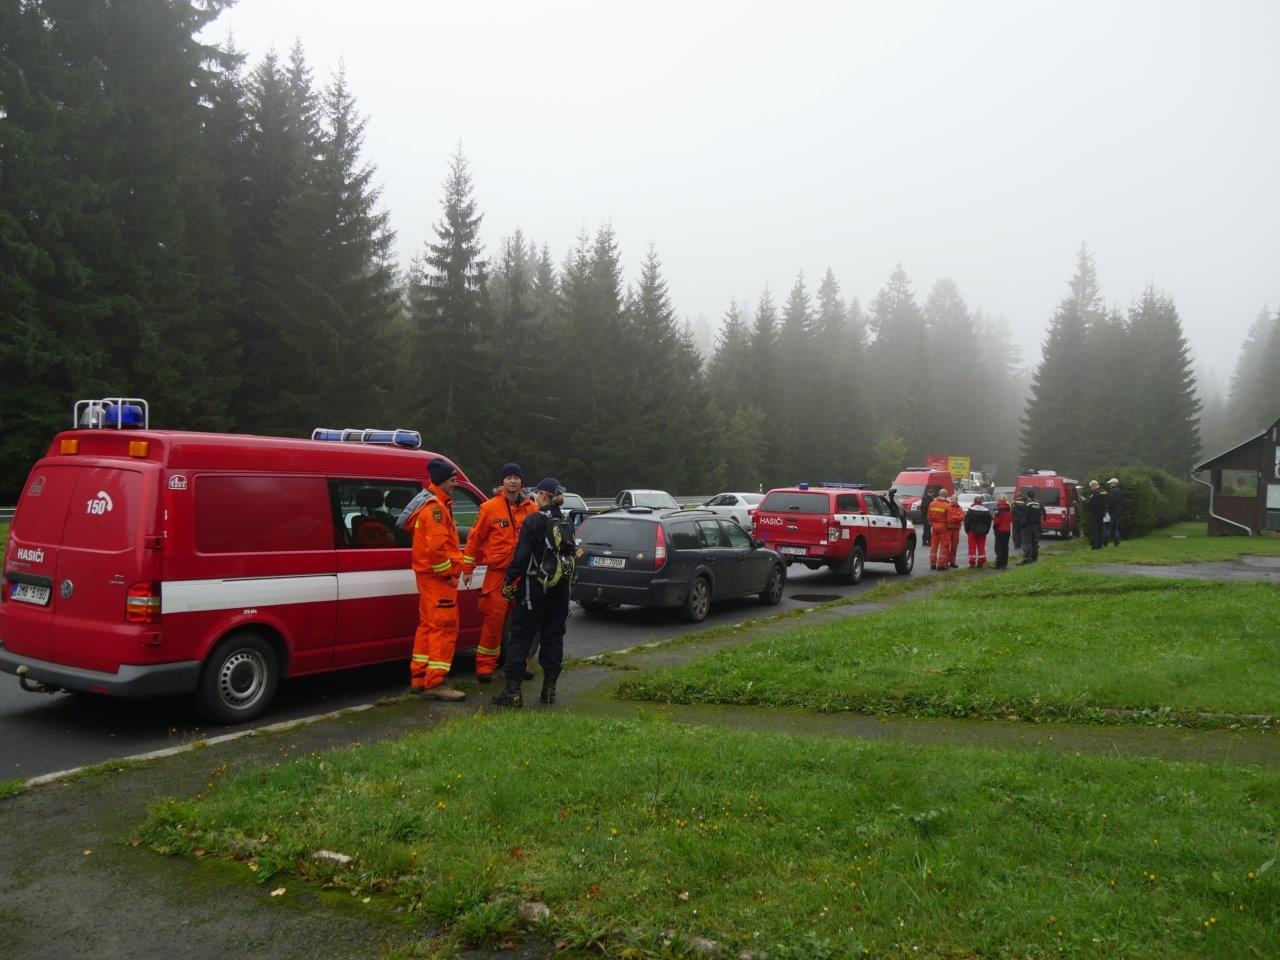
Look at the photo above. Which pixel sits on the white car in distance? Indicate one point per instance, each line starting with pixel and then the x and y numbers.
pixel 735 506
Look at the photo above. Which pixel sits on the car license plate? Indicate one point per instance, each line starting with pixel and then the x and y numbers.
pixel 795 551
pixel 615 562
pixel 30 593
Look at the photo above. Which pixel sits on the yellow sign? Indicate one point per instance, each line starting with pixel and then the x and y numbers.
pixel 959 466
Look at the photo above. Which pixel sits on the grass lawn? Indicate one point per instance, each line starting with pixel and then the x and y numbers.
pixel 1179 543
pixel 642 835
pixel 1049 642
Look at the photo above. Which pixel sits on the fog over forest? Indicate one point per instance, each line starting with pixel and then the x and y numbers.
pixel 727 245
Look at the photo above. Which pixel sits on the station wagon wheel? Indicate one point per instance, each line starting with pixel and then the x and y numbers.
pixel 906 561
pixel 772 592
pixel 698 604
pixel 853 572
pixel 239 679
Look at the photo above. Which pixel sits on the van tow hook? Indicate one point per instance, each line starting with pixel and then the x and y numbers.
pixel 38 686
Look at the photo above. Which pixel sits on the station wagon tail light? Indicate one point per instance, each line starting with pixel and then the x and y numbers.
pixel 142 603
pixel 833 533
pixel 660 549
pixel 69 446
pixel 139 448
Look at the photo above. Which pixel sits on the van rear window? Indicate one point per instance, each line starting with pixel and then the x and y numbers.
pixel 105 510
pixel 262 514
pixel 795 501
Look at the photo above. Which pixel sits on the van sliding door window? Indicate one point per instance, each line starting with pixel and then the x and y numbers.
pixel 366 512
pixel 260 513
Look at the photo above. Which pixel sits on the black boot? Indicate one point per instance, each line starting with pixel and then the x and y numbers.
pixel 509 697
pixel 548 694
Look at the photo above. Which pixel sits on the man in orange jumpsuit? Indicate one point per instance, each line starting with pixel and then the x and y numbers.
pixel 955 520
pixel 492 543
pixel 939 545
pixel 437 562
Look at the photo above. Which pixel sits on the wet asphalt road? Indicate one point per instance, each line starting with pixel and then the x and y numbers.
pixel 43 733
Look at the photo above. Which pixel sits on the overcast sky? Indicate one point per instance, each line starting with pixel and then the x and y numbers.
pixel 749 141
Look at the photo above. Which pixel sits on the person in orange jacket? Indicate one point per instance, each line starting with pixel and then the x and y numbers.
pixel 940 544
pixel 437 562
pixel 955 520
pixel 492 544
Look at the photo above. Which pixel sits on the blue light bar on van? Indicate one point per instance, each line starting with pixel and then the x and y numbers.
pixel 116 413
pixel 408 439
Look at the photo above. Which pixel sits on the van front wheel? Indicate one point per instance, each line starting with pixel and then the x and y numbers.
pixel 239 680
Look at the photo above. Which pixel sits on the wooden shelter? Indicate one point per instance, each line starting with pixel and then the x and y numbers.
pixel 1244 485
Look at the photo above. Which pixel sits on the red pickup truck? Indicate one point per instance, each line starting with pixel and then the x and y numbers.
pixel 841 526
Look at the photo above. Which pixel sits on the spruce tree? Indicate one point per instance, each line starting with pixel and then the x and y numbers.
pixel 1165 407
pixel 1059 418
pixel 453 328
pixel 598 349
pixel 895 355
pixel 766 361
pixel 800 446
pixel 1251 398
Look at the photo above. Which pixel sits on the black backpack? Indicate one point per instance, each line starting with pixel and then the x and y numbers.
pixel 559 554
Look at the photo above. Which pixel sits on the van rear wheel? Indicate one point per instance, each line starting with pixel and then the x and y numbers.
pixel 239 679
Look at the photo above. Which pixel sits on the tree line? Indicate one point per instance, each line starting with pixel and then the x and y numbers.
pixel 178 225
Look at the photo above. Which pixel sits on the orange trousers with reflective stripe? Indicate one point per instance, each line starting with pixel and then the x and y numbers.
pixel 493 618
pixel 939 547
pixel 437 635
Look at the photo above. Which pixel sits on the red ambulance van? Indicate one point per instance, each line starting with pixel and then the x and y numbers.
pixel 1059 497
pixel 145 562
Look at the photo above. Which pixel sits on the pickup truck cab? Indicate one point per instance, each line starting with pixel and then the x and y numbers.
pixel 841 526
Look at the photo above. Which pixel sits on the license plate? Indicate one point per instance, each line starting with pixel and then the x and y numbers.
pixel 616 563
pixel 30 593
pixel 796 551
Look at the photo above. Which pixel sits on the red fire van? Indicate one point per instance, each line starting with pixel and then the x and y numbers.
pixel 144 562
pixel 1059 497
pixel 912 483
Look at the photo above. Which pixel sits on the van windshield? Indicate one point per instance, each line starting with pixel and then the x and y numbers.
pixel 910 489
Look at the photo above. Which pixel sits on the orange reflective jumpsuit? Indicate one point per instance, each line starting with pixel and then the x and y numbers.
pixel 955 520
pixel 492 542
pixel 939 535
pixel 437 561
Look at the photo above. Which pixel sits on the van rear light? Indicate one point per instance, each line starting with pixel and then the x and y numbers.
pixel 139 448
pixel 69 446
pixel 142 603
pixel 660 549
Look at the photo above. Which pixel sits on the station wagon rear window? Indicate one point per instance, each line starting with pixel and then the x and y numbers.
pixel 796 501
pixel 617 533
